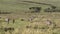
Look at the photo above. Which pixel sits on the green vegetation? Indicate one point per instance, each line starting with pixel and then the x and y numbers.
pixel 27 22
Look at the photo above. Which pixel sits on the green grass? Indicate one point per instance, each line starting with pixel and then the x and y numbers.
pixel 19 8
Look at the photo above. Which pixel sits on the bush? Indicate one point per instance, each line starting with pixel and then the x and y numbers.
pixel 48 10
pixel 53 7
pixel 28 26
pixel 35 9
pixel 6 29
pixel 35 27
pixel 22 19
pixel 54 33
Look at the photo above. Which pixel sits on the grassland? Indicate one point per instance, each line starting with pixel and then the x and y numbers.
pixel 20 10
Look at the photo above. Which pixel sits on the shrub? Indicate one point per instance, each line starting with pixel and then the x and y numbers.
pixel 22 19
pixel 6 29
pixel 35 27
pixel 35 9
pixel 28 26
pixel 53 7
